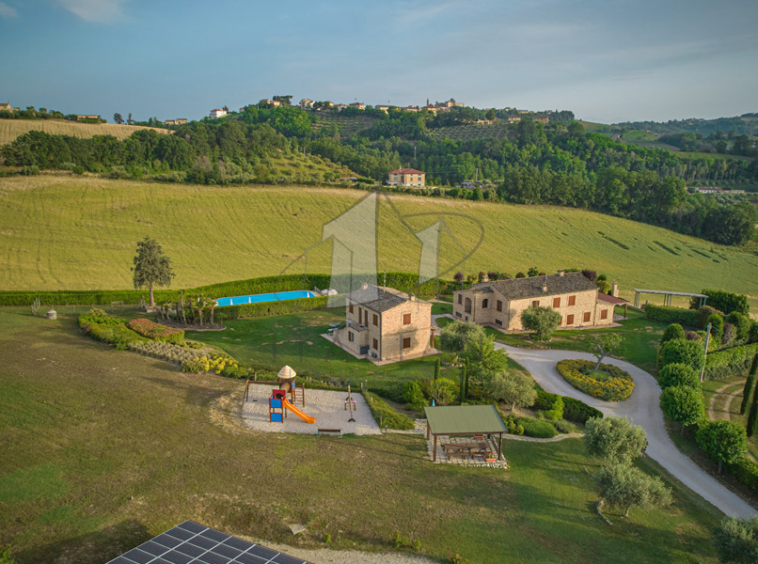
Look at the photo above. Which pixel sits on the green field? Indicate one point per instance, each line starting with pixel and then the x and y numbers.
pixel 468 132
pixel 65 232
pixel 104 449
pixel 12 128
pixel 348 125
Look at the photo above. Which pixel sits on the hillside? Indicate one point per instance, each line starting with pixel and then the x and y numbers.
pixel 66 232
pixel 12 128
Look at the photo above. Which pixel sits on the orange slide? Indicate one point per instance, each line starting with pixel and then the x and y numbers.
pixel 296 411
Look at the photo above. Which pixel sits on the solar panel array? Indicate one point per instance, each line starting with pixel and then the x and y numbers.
pixel 192 543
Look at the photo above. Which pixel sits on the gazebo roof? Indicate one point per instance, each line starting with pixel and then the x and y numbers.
pixel 464 420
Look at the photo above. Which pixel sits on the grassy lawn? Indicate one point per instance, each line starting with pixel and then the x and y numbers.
pixel 104 449
pixel 272 342
pixel 641 339
pixel 442 309
pixel 65 232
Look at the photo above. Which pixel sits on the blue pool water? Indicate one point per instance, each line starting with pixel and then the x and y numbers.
pixel 263 298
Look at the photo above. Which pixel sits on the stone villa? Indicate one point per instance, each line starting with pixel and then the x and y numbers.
pixel 500 303
pixel 384 324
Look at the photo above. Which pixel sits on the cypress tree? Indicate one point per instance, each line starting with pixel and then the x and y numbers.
pixel 468 374
pixel 749 385
pixel 752 419
pixel 463 385
pixel 437 368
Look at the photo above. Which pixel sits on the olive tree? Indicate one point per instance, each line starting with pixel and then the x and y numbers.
pixel 151 267
pixel 615 439
pixel 624 486
pixel 541 321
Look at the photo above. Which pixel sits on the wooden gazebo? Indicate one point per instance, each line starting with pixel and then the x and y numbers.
pixel 464 420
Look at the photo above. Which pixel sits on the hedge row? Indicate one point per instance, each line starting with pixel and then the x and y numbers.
pixel 727 301
pixel 386 416
pixel 745 472
pixel 730 362
pixel 670 314
pixel 573 409
pixel 400 280
pixel 536 428
pixel 268 309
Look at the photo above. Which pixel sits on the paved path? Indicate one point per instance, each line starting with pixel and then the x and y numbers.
pixel 642 408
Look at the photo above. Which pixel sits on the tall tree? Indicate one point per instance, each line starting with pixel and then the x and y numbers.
pixel 129 120
pixel 151 267
pixel 749 385
pixel 542 321
pixel 605 344
pixel 118 118
pixel 513 389
pixel 752 418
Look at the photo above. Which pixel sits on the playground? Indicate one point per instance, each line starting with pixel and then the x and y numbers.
pixel 290 407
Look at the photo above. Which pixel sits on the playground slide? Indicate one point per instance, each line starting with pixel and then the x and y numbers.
pixel 300 414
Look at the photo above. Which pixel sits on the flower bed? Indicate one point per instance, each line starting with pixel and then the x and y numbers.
pixel 218 363
pixel 156 331
pixel 164 351
pixel 616 386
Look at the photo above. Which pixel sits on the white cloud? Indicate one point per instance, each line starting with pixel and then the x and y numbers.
pixel 95 10
pixel 7 11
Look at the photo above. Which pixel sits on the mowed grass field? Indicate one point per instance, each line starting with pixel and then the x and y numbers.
pixel 103 449
pixel 66 232
pixel 12 128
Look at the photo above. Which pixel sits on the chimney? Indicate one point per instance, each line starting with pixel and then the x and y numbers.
pixel 615 289
pixel 412 297
pixel 365 285
pixel 561 273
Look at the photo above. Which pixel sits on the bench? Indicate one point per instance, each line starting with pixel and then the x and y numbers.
pixel 329 432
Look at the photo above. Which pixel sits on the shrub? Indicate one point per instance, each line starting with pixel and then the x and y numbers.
pixel 681 352
pixel 704 313
pixel 542 321
pixel 209 363
pixel 514 427
pixel 614 439
pixel 673 331
pixel 537 429
pixel 669 314
pixel 724 442
pixel 727 301
pixel 385 416
pixel 737 540
pixel 683 405
pixel 556 411
pixel 618 387
pixel 733 362
pixel 414 397
pixel 156 331
pixel 165 351
pixel 110 330
pixel 677 374
pixel 742 325
pixel 745 472
pixel 578 411
pixel 717 325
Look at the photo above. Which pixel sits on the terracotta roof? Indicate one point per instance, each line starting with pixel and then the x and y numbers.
pixel 406 171
pixel 611 299
pixel 522 288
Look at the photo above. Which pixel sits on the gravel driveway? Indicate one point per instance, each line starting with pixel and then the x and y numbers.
pixel 642 408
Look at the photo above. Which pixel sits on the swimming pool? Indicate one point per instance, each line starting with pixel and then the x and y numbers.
pixel 263 298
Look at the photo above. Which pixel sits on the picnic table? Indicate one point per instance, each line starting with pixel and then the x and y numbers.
pixel 465 449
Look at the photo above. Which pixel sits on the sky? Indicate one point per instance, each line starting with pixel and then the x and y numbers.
pixel 607 61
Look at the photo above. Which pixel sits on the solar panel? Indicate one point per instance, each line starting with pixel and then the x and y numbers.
pixel 193 543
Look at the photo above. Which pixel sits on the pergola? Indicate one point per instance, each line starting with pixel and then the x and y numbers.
pixel 667 296
pixel 464 420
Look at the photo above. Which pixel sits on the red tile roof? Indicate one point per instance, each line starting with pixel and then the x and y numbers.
pixel 611 299
pixel 406 171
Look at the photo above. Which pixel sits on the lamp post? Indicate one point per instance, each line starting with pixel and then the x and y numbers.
pixel 705 352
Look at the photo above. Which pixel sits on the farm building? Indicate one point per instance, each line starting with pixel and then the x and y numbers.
pixel 358 105
pixel 6 107
pixel 216 114
pixel 87 116
pixel 501 303
pixel 407 177
pixel 384 324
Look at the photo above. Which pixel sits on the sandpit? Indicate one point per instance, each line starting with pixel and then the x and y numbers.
pixel 328 408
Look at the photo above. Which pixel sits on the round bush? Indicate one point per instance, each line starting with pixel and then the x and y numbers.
pixel 673 331
pixel 677 374
pixel 618 385
pixel 537 429
pixel 681 351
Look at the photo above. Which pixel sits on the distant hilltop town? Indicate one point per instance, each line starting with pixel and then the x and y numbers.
pixel 308 104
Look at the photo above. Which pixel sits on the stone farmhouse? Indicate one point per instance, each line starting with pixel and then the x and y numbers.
pixel 384 324
pixel 500 303
pixel 407 177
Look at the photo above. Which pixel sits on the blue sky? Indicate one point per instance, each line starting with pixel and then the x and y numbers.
pixel 608 61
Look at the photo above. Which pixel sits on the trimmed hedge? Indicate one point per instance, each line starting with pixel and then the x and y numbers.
pixel 745 472
pixel 618 388
pixel 156 331
pixel 537 429
pixel 727 301
pixel 730 362
pixel 670 314
pixel 399 280
pixel 247 311
pixel 385 415
pixel 578 411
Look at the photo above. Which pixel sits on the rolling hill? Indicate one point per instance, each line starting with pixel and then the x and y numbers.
pixel 12 128
pixel 67 232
